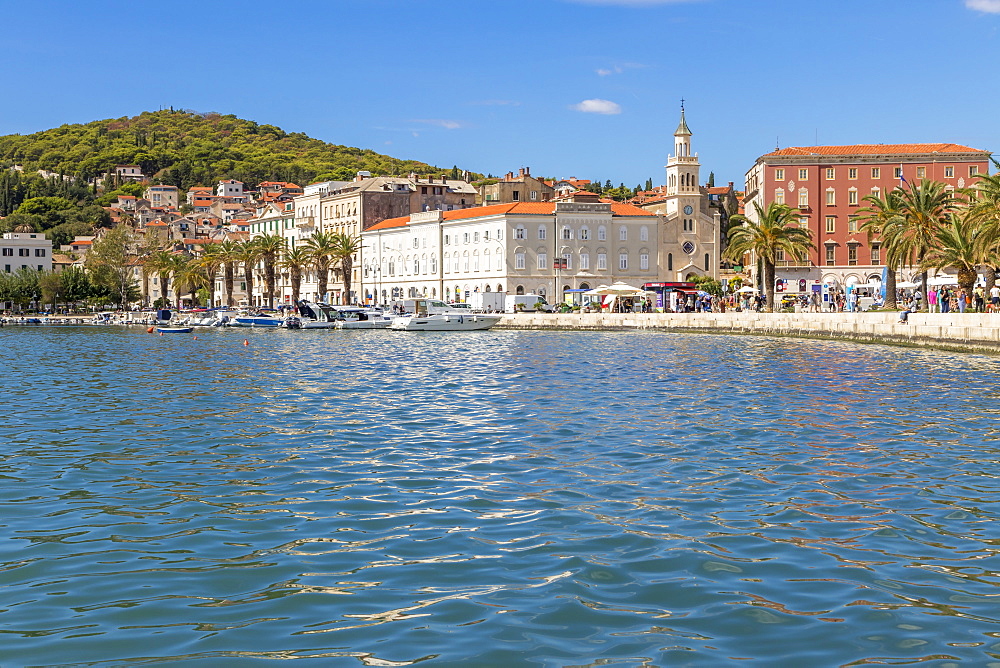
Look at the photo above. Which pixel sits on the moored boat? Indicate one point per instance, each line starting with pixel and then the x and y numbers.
pixel 174 330
pixel 431 315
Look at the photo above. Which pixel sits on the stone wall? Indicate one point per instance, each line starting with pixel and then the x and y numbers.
pixel 977 332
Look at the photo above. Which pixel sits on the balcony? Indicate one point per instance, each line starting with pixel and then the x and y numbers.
pixel 792 263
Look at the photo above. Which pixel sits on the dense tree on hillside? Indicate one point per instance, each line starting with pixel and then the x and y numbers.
pixel 184 148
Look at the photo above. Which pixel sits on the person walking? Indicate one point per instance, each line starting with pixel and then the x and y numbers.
pixel 944 296
pixel 933 296
pixel 994 298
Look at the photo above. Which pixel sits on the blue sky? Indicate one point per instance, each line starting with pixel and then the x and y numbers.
pixel 584 88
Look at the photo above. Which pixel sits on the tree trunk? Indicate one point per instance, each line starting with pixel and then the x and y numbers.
pixel 249 280
pixel 269 283
pixel 989 277
pixel 230 278
pixel 890 289
pixel 923 286
pixel 321 278
pixel 769 285
pixel 346 268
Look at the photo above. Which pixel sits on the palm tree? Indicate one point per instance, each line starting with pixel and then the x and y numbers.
pixel 189 276
pixel 776 230
pixel 321 247
pixel 248 255
pixel 877 216
pixel 959 245
pixel 180 270
pixel 161 263
pixel 924 209
pixel 345 248
pixel 296 260
pixel 269 248
pixel 210 260
pixel 984 211
pixel 229 253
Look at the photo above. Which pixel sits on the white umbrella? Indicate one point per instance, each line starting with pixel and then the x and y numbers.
pixel 747 288
pixel 622 288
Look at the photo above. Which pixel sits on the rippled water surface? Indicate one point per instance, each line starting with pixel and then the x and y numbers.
pixel 494 499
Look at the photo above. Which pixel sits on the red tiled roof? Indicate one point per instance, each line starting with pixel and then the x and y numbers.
pixel 156 223
pixel 874 149
pixel 516 208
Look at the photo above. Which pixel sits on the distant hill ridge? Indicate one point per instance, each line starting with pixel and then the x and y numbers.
pixel 186 148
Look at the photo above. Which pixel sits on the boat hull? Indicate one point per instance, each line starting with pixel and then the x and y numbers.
pixel 444 323
pixel 174 330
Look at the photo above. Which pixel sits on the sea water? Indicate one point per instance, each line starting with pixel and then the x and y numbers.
pixel 494 499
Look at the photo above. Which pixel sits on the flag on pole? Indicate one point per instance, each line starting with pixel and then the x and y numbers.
pixel 902 179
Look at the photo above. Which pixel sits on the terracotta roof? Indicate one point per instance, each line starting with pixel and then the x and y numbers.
pixel 874 149
pixel 516 208
pixel 719 190
pixel 156 223
pixel 81 243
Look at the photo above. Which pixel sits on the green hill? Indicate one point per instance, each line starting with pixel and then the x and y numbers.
pixel 184 148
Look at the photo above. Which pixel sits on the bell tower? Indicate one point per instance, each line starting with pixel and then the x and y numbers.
pixel 682 166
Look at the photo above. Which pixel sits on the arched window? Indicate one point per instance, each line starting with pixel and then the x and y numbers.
pixel 541 232
pixel 487 287
pixel 643 233
pixel 623 233
pixel 519 290
pixel 602 233
pixel 707 267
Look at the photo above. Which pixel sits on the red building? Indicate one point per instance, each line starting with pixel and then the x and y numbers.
pixel 828 184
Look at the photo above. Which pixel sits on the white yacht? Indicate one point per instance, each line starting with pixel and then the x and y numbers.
pixel 432 315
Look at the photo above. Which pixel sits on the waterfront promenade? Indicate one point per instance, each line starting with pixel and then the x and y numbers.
pixel 979 332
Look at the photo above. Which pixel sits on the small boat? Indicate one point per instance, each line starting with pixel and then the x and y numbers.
pixel 174 330
pixel 359 317
pixel 312 315
pixel 256 320
pixel 431 315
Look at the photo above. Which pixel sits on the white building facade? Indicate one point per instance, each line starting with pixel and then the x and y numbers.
pixel 25 250
pixel 510 248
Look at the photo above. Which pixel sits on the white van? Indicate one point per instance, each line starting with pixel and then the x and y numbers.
pixel 514 303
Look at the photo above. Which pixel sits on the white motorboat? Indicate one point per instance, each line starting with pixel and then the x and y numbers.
pixel 256 320
pixel 312 315
pixel 359 317
pixel 432 315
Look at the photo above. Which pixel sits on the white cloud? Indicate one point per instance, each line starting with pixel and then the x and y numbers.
pixel 596 106
pixel 440 122
pixel 988 6
pixel 618 69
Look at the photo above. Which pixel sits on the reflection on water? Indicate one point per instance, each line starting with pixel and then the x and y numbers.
pixel 496 498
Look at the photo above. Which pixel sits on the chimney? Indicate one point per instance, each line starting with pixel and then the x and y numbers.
pixel 520 172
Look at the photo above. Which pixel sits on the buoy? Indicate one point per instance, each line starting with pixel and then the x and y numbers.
pixel 196 338
pixel 246 342
pixel 149 331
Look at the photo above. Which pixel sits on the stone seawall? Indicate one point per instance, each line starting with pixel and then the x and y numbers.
pixel 975 332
